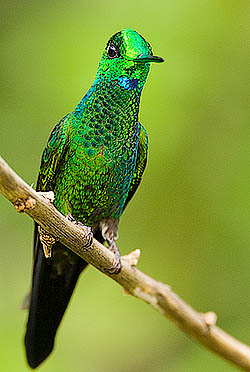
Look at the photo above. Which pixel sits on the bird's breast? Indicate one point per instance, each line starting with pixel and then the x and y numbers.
pixel 94 181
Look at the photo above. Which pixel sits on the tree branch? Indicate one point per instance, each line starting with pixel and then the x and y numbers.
pixel 159 295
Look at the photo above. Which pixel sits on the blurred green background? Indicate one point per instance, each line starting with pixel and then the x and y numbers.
pixel 191 215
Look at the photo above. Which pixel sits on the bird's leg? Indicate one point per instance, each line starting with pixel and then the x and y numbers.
pixel 47 242
pixel 86 229
pixel 109 229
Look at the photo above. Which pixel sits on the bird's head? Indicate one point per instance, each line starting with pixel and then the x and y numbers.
pixel 127 58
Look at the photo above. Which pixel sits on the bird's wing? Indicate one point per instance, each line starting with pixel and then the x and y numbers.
pixel 54 279
pixel 141 162
pixel 53 155
pixel 51 158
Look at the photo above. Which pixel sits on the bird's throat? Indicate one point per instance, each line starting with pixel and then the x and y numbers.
pixel 109 101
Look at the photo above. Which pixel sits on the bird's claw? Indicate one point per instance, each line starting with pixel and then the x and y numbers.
pixel 86 229
pixel 116 267
pixel 88 236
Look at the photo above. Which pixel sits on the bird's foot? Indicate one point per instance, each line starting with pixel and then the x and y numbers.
pixel 86 229
pixel 109 229
pixel 47 241
pixel 116 267
pixel 88 235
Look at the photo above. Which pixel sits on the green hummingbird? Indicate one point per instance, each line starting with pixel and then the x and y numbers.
pixel 93 162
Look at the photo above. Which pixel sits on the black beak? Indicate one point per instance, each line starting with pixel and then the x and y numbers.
pixel 148 58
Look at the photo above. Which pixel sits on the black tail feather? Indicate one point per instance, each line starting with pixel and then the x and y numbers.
pixel 54 280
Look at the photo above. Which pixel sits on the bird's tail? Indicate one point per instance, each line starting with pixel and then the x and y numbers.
pixel 54 280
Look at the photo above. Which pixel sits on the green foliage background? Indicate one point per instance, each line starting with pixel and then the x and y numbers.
pixel 191 216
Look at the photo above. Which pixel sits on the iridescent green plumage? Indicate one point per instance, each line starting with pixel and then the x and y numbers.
pixel 91 154
pixel 94 161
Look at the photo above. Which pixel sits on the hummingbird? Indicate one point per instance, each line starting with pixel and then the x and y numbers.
pixel 93 162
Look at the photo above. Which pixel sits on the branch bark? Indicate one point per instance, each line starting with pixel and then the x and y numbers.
pixel 159 295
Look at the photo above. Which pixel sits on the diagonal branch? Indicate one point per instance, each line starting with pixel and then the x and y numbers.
pixel 200 326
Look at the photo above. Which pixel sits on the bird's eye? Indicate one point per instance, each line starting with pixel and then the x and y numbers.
pixel 113 51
